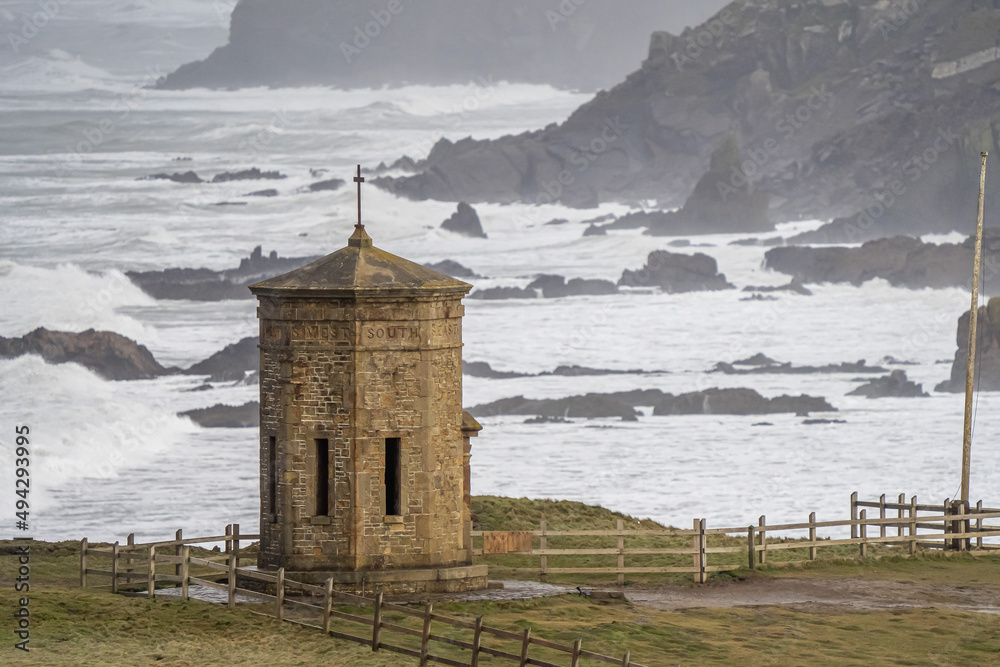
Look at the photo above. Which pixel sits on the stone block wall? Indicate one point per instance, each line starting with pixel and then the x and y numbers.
pixel 356 372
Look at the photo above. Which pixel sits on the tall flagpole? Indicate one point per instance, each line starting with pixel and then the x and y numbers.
pixel 973 320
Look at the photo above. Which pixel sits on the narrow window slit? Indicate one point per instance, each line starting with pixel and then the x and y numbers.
pixel 393 477
pixel 322 477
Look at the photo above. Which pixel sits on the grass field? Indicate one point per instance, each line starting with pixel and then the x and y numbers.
pixel 73 626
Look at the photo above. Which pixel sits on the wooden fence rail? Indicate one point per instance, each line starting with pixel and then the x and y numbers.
pixel 141 562
pixel 952 526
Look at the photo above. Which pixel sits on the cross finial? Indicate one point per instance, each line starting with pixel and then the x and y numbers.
pixel 359 180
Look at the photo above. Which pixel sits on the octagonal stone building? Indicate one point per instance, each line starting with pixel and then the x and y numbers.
pixel 364 446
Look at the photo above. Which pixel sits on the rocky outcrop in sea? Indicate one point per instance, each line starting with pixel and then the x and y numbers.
pixel 840 111
pixel 676 273
pixel 987 351
pixel 110 355
pixel 902 260
pixel 370 45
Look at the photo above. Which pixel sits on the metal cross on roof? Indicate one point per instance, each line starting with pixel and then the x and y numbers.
pixel 359 180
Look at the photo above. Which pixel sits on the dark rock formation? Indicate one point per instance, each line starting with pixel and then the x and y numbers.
pixel 894 385
pixel 901 260
pixel 270 192
pixel 759 359
pixel 496 293
pixel 405 163
pixel 577 371
pixel 590 406
pixel 108 354
pixel 252 174
pixel 676 273
pixel 482 369
pixel 794 286
pixel 738 402
pixel 452 268
pixel 554 287
pixel 226 416
pixel 331 184
pixel 231 364
pixel 465 221
pixel 987 351
pixel 858 367
pixel 623 404
pixel 593 230
pixel 210 285
pixel 365 45
pixel 547 420
pixel 840 108
pixel 186 177
pixel 715 206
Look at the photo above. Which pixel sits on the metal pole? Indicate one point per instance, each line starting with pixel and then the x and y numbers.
pixel 973 320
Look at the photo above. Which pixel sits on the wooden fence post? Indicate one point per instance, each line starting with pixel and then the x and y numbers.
pixel 279 603
pixel 762 522
pixel 854 515
pixel 627 659
pixel 477 642
pixel 946 524
pixel 812 535
pixel 543 543
pixel 425 637
pixel 621 552
pixel 130 541
pixel 577 647
pixel 900 514
pixel 114 567
pixel 913 525
pixel 961 525
pixel 377 625
pixel 152 571
pixel 696 557
pixel 229 532
pixel 702 553
pixel 185 566
pixel 525 643
pixel 751 552
pixel 236 543
pixel 178 549
pixel 881 515
pixel 83 563
pixel 327 606
pixel 864 534
pixel 979 525
pixel 231 588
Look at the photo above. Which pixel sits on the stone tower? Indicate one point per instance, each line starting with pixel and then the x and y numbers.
pixel 364 446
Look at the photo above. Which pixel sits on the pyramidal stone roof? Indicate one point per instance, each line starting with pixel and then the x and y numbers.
pixel 361 269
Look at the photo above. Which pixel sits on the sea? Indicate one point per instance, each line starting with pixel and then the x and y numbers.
pixel 79 128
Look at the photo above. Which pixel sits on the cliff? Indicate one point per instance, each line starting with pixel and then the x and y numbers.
pixel 873 110
pixel 565 43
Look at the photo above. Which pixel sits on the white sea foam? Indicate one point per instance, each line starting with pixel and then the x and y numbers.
pixel 67 298
pixel 82 427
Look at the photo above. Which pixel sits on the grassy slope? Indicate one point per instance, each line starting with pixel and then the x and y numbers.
pixel 73 626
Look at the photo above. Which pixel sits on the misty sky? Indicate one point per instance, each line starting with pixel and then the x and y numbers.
pixel 128 38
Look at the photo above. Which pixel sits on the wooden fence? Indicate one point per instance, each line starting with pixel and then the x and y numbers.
pixel 948 526
pixel 176 554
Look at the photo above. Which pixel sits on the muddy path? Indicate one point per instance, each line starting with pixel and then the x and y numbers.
pixel 819 595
